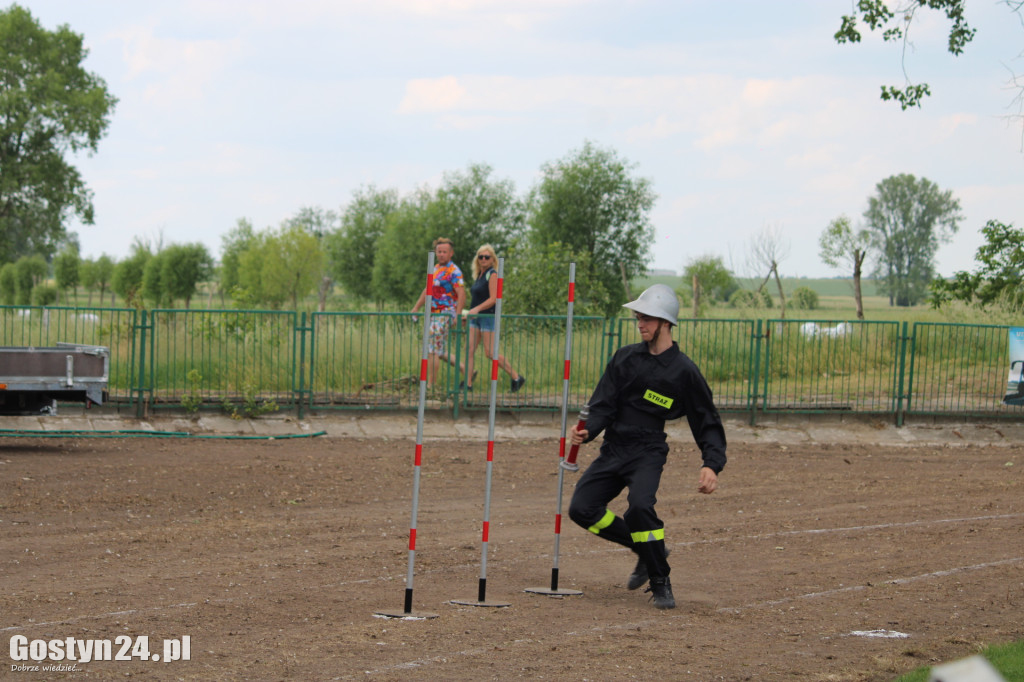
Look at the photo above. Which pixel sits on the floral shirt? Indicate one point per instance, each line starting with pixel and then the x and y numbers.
pixel 444 297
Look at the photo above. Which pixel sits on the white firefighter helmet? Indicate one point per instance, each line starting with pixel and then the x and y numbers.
pixel 658 301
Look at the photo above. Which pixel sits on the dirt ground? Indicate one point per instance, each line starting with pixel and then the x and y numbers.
pixel 273 557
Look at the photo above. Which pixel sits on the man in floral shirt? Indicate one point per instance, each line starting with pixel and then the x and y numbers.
pixel 448 298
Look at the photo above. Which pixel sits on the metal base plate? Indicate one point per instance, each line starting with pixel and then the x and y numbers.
pixel 560 592
pixel 491 604
pixel 411 615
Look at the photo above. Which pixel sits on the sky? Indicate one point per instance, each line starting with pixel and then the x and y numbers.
pixel 746 116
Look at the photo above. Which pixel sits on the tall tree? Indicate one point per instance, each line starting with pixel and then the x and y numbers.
pixel 591 202
pixel 352 249
pixel 233 244
pixel 471 208
pixel 707 275
pixel 281 265
pixel 321 223
pixel 49 107
pixel 999 278
pixel 183 267
pixel 842 245
pixel 767 251
pixel 400 258
pixel 66 266
pixel 909 219
pixel 895 19
pixel 126 281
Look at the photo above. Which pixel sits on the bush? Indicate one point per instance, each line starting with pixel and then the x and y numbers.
pixel 44 294
pixel 805 298
pixel 750 300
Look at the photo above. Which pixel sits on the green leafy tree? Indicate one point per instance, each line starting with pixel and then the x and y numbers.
pixel 233 244
pixel 909 218
pixel 321 223
pixel 706 278
pixel 999 278
pixel 87 278
pixel 50 107
pixel 472 209
pixel 29 273
pixel 127 278
pixel 281 265
pixel 895 23
pixel 841 245
pixel 185 266
pixel 353 248
pixel 537 276
pixel 400 262
pixel 104 273
pixel 66 266
pixel 8 284
pixel 154 289
pixel 591 202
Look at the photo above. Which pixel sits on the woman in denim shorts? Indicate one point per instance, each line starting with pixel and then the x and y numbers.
pixel 483 298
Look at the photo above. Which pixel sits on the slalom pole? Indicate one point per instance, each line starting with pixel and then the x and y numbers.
pixel 407 612
pixel 554 590
pixel 481 599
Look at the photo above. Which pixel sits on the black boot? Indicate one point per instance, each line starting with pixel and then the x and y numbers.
pixel 639 575
pixel 661 593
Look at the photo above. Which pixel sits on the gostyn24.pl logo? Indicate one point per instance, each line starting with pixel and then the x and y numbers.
pixel 71 650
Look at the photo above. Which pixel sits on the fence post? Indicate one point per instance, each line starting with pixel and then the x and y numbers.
pixel 301 340
pixel 755 372
pixel 900 372
pixel 141 386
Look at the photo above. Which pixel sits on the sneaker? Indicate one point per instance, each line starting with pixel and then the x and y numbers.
pixel 639 575
pixel 661 593
pixel 518 383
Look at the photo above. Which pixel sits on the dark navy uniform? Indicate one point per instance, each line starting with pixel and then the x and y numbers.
pixel 637 393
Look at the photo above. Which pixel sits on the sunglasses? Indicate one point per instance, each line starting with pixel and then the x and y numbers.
pixel 483 256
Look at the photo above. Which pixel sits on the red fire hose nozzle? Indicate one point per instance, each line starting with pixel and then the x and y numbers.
pixel 569 463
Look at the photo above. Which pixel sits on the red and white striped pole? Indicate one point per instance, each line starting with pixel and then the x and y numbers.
pixel 481 599
pixel 562 462
pixel 407 612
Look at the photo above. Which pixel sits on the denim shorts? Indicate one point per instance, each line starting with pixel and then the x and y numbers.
pixel 484 323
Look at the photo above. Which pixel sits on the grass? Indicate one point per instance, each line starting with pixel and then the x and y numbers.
pixel 1008 659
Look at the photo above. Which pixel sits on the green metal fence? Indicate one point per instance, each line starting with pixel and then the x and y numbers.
pixel 248 361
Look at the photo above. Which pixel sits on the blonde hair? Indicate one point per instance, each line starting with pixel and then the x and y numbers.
pixel 477 271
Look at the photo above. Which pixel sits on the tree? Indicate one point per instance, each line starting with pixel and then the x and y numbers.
pixel 590 202
pixel 841 244
pixel 184 267
pixel 50 107
pixel 706 275
pixel 767 250
pixel 472 209
pixel 104 272
pixel 127 278
pixel 352 249
pixel 999 278
pixel 400 260
pixel 8 284
pixel 233 244
pixel 29 272
pixel 321 223
pixel 537 276
pixel 281 265
pixel 895 23
pixel 909 218
pixel 66 269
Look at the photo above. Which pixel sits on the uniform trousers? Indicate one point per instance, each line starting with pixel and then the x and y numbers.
pixel 638 467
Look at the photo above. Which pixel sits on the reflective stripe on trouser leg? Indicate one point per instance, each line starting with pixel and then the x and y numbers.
pixel 648 535
pixel 611 527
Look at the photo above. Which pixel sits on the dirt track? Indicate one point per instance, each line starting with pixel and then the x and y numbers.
pixel 273 556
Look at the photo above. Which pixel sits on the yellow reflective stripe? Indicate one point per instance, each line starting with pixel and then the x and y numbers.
pixel 605 521
pixel 648 535
pixel 658 399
